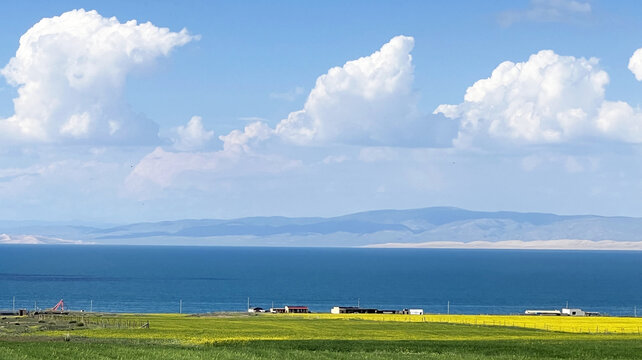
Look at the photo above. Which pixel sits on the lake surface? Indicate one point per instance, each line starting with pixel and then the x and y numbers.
pixel 155 279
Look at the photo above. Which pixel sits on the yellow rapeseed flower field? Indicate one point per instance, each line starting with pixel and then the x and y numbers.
pixel 311 336
pixel 222 329
pixel 568 324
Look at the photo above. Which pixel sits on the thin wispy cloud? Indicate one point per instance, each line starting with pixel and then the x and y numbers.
pixel 335 159
pixel 252 118
pixel 288 95
pixel 547 11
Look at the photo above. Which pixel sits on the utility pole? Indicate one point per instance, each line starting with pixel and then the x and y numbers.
pixel 35 306
pixel 248 303
pixel 91 305
pixel 14 304
pixel 567 304
pixel 635 311
pixel 180 306
pixel 448 307
pixel 358 302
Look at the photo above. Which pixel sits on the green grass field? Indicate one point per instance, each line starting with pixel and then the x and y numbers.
pixel 295 337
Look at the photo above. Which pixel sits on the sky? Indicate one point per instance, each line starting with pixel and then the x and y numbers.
pixel 123 111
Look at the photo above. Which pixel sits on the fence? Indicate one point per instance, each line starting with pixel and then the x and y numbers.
pixel 195 306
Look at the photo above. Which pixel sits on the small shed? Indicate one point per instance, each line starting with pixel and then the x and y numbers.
pixel 277 310
pixel 256 310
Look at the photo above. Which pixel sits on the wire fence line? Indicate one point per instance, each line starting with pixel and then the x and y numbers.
pixel 192 306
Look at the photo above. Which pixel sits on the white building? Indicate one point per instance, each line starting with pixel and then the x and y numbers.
pixel 573 312
pixel 416 311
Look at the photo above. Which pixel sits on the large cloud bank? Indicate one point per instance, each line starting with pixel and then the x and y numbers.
pixel 368 101
pixel 70 71
pixel 547 99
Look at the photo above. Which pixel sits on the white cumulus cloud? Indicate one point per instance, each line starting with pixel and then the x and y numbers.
pixel 635 64
pixel 70 72
pixel 547 99
pixel 366 101
pixel 240 141
pixel 618 120
pixel 193 135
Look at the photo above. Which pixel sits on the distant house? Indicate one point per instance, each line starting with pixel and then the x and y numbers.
pixel 255 310
pixel 573 312
pixel 413 311
pixel 296 309
pixel 563 312
pixel 277 310
pixel 387 311
pixel 352 310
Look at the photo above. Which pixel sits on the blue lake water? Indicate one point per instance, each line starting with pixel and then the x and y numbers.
pixel 155 279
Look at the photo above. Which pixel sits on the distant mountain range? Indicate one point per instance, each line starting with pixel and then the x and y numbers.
pixel 428 227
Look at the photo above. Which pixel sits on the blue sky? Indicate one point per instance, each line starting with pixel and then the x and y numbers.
pixel 317 109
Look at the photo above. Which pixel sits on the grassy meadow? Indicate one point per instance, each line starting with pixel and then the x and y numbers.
pixel 233 336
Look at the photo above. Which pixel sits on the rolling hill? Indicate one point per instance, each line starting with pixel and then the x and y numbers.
pixel 438 226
